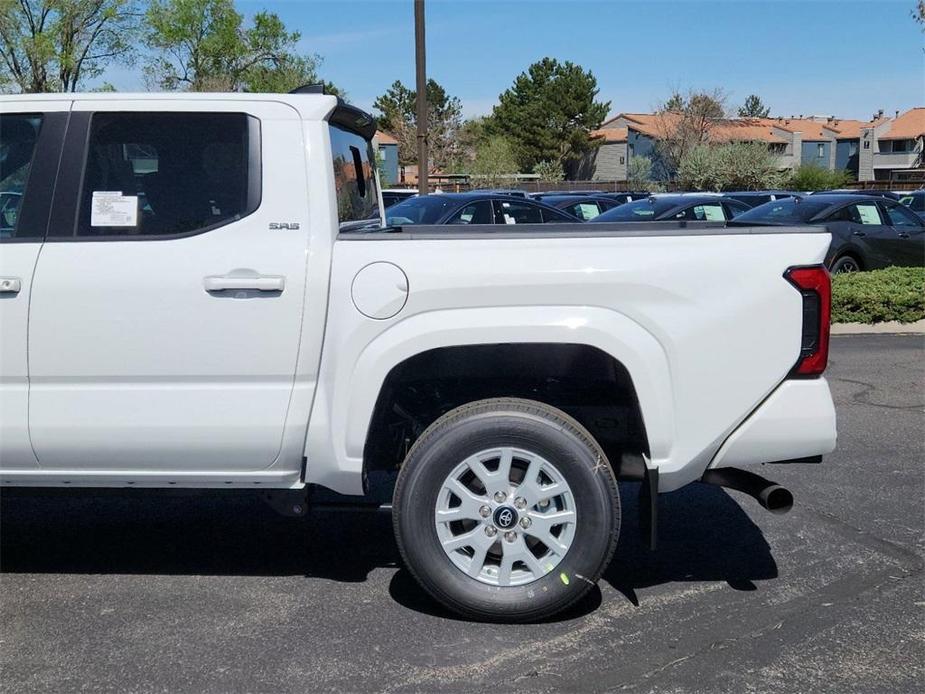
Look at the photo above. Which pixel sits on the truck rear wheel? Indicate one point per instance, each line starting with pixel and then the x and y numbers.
pixel 506 510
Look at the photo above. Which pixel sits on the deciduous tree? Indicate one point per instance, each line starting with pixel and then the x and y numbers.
pixel 639 173
pixel 204 45
pixel 397 114
pixel 685 122
pixel 57 45
pixel 549 113
pixel 494 163
pixel 471 135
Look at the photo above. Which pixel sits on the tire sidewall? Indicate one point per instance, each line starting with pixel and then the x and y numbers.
pixel 593 490
pixel 838 266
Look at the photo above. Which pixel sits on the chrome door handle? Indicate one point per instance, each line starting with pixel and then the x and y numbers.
pixel 259 283
pixel 859 233
pixel 10 285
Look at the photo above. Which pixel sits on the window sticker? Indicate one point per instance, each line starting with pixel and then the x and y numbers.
pixel 587 210
pixel 869 214
pixel 112 209
pixel 714 213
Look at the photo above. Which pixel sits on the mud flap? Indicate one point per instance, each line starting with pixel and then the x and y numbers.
pixel 648 508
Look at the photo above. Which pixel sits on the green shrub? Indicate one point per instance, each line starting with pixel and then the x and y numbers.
pixel 893 294
pixel 729 166
pixel 549 171
pixel 812 177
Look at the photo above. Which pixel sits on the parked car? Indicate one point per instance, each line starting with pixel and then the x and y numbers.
pixel 868 232
pixel 915 201
pixel 753 198
pixel 473 208
pixel 872 193
pixel 516 192
pixel 392 196
pixel 490 388
pixel 584 207
pixel 623 197
pixel 709 208
pixel 550 193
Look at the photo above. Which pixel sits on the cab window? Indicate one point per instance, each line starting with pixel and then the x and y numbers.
pixel 19 135
pixel 354 175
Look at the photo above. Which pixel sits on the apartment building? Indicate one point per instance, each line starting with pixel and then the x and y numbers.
pixel 879 149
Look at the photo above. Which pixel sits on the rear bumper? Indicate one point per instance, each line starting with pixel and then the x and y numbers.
pixel 796 421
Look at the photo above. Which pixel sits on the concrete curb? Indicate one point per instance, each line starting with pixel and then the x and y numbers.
pixel 888 328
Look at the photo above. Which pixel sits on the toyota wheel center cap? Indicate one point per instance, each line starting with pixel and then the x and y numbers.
pixel 505 517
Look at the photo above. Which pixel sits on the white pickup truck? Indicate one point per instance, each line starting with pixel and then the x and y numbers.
pixel 179 309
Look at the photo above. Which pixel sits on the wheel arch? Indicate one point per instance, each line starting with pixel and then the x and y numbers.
pixel 345 409
pixel 850 252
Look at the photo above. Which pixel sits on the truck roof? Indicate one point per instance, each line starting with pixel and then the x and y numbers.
pixel 309 106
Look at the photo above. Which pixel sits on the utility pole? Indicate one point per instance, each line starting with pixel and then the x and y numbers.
pixel 421 80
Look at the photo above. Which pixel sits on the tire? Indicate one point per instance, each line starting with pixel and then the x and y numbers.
pixel 846 264
pixel 528 436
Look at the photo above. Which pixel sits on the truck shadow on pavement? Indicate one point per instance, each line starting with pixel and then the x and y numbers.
pixel 704 536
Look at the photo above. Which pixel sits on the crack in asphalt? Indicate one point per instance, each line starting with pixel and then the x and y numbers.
pixel 862 397
pixel 841 590
pixel 903 554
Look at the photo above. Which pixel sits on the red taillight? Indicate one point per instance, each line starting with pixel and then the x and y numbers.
pixel 815 286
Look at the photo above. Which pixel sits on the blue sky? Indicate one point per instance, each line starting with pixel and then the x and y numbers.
pixel 811 57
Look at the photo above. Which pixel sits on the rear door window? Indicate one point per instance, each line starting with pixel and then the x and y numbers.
pixel 584 210
pixel 914 202
pixel 474 213
pixel 514 212
pixel 168 174
pixel 899 217
pixel 865 213
pixel 731 210
pixel 711 212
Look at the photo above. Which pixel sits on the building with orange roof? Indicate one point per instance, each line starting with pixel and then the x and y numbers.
pixel 870 150
pixel 629 135
pixel 893 151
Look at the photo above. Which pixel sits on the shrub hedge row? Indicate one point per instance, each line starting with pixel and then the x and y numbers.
pixel 893 294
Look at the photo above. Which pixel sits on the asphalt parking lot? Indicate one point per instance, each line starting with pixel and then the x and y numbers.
pixel 145 592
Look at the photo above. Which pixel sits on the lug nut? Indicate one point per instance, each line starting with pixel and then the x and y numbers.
pixel 510 536
pixel 500 497
pixel 525 522
pixel 484 512
pixel 490 530
pixel 520 503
